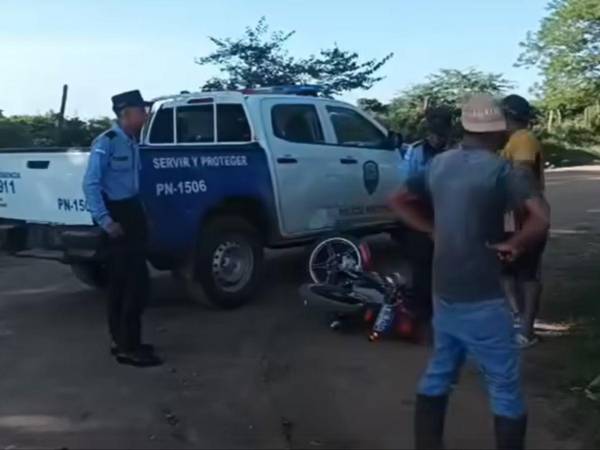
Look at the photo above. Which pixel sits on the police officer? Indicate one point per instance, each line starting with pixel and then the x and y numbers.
pixel 111 187
pixel 437 129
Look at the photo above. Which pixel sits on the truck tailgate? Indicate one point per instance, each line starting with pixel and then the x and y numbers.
pixel 43 186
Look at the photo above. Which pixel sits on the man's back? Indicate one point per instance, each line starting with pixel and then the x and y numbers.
pixel 469 190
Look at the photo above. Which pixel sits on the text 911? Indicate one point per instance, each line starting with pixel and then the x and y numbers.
pixel 7 187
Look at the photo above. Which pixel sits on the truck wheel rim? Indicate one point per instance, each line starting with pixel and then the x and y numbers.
pixel 232 266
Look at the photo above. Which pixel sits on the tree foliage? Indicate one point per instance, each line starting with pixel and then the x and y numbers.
pixel 566 49
pixel 260 58
pixel 446 88
pixel 41 130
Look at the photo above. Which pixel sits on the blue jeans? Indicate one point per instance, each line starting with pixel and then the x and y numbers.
pixel 484 331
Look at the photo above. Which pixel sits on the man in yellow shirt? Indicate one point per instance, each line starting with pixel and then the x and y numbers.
pixel 522 279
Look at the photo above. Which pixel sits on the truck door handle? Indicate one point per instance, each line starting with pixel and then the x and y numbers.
pixel 287 160
pixel 348 161
pixel 38 164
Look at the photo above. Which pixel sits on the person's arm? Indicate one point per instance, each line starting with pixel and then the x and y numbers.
pixel 534 230
pixel 92 187
pixel 410 205
pixel 522 190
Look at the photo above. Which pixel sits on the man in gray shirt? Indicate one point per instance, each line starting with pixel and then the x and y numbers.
pixel 470 189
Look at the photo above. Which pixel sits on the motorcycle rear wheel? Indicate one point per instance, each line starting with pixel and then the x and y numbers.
pixel 333 253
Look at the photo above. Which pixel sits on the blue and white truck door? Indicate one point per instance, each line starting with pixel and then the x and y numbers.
pixel 306 168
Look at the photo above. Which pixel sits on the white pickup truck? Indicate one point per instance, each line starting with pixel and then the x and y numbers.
pixel 224 175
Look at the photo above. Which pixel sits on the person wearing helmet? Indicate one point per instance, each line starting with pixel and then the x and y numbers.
pixel 522 279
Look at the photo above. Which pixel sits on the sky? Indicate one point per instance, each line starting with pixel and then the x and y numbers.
pixel 103 47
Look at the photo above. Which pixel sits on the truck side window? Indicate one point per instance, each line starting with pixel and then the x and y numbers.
pixel 232 124
pixel 352 129
pixel 297 123
pixel 162 127
pixel 195 124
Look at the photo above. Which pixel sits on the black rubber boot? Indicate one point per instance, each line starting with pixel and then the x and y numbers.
pixel 144 348
pixel 430 413
pixel 510 433
pixel 138 359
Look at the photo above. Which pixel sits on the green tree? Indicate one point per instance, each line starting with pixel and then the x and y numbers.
pixel 446 88
pixel 566 49
pixel 13 134
pixel 41 131
pixel 377 109
pixel 78 133
pixel 97 126
pixel 260 58
pixel 372 105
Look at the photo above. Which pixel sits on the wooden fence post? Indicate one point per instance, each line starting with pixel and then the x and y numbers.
pixel 61 114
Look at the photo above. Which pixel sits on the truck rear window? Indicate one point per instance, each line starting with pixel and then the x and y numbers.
pixel 232 124
pixel 162 127
pixel 195 124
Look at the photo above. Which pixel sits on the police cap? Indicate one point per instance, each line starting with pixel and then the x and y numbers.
pixel 128 99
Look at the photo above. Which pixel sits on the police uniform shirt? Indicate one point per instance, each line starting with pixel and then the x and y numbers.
pixel 112 172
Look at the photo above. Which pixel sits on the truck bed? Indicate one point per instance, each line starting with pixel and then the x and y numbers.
pixel 43 185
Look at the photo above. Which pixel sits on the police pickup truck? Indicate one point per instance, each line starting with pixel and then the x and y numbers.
pixel 224 175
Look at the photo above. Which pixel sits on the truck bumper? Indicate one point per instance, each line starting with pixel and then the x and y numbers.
pixel 65 244
pixel 13 237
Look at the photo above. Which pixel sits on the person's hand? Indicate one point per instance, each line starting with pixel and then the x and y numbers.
pixel 115 230
pixel 507 252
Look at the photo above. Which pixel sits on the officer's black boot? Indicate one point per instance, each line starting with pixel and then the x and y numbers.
pixel 510 433
pixel 430 413
pixel 145 348
pixel 138 359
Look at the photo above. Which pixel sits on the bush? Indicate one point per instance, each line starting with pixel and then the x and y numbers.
pixel 41 131
pixel 14 134
pixel 570 145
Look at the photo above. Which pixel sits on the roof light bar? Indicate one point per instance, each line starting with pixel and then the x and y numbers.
pixel 299 89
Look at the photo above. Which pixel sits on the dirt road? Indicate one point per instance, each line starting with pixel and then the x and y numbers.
pixel 575 200
pixel 269 375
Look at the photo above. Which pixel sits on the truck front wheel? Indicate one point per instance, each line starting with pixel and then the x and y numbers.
pixel 93 274
pixel 227 264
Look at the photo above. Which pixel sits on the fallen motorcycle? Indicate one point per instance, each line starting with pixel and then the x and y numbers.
pixel 352 295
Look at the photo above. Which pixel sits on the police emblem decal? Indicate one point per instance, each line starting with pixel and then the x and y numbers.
pixel 371 176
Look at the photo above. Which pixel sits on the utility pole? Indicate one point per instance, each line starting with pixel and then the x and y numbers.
pixel 61 114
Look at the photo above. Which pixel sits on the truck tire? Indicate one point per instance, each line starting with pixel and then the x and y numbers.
pixel 227 264
pixel 93 274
